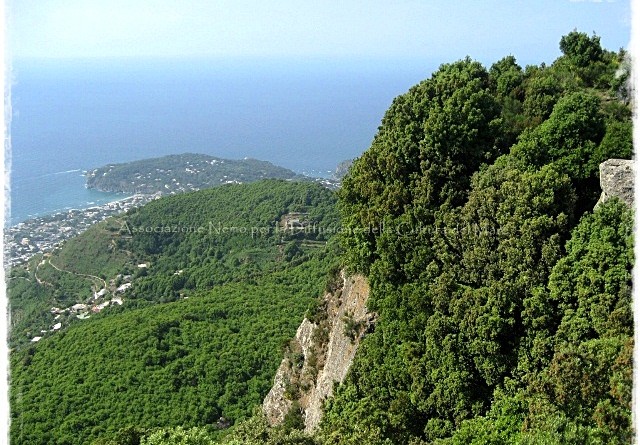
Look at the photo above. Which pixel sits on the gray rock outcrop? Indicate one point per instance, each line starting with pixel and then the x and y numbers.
pixel 616 179
pixel 320 355
pixel 277 403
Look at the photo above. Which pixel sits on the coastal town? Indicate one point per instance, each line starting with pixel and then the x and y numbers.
pixel 45 233
pixel 148 179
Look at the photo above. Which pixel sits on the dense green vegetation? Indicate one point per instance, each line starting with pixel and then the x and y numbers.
pixel 184 363
pixel 201 331
pixel 503 300
pixel 233 233
pixel 180 173
pixel 503 297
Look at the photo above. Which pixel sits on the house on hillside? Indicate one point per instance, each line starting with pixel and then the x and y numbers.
pixel 123 288
pixel 295 222
pixel 78 307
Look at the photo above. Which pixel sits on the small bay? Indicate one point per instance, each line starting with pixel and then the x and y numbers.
pixel 69 116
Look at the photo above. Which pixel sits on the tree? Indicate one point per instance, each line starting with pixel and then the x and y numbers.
pixel 569 138
pixel 588 373
pixel 542 91
pixel 178 436
pixel 507 77
pixel 581 49
pixel 432 139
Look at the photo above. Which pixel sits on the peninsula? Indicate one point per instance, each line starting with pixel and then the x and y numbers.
pixel 145 180
pixel 182 173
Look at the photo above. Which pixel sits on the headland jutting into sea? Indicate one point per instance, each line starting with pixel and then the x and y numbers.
pixel 147 179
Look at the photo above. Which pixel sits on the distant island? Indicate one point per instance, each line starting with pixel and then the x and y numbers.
pixel 182 173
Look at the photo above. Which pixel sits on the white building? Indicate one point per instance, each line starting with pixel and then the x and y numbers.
pixel 124 287
pixel 78 307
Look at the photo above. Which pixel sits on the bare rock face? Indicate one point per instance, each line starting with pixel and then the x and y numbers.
pixel 349 321
pixel 616 179
pixel 321 354
pixel 278 403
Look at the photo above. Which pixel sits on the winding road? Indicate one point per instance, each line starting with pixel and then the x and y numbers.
pixel 45 283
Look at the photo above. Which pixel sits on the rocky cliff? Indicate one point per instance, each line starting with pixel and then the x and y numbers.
pixel 616 179
pixel 321 354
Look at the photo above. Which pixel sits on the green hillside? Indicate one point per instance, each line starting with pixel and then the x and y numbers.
pixel 503 297
pixel 504 300
pixel 183 363
pixel 188 243
pixel 181 173
pixel 200 332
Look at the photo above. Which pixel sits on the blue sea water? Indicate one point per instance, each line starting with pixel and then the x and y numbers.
pixel 69 116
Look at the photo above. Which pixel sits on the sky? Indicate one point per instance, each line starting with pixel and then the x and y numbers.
pixel 376 29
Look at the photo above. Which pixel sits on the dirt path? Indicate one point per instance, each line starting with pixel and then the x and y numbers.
pixel 93 277
pixel 35 274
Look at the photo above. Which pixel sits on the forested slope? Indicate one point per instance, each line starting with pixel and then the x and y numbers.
pixel 201 330
pixel 502 297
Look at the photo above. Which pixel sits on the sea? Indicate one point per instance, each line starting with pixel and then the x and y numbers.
pixel 70 115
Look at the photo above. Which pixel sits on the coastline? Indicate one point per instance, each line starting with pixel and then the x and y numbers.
pixel 45 233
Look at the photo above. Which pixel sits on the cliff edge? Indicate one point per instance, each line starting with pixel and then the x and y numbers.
pixel 321 354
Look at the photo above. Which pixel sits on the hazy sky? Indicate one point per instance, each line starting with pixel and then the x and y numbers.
pixel 483 29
